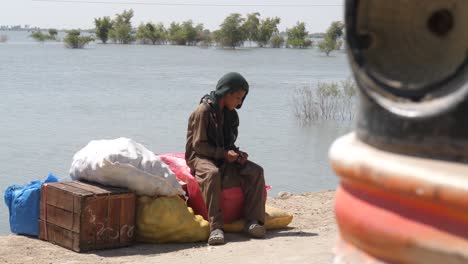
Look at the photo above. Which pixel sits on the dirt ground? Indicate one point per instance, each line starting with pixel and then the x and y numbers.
pixel 309 239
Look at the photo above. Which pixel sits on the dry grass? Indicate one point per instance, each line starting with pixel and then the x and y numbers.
pixel 325 101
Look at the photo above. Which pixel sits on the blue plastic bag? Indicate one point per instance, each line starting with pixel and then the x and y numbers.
pixel 23 205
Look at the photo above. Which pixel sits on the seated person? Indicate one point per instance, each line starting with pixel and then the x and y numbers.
pixel 217 163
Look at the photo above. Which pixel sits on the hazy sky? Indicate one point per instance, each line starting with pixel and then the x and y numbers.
pixel 317 14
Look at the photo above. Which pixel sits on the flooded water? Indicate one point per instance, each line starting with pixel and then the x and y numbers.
pixel 55 100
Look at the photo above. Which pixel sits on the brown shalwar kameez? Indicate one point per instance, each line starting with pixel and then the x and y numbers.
pixel 205 157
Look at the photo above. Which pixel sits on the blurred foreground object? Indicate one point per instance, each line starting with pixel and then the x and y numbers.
pixel 403 196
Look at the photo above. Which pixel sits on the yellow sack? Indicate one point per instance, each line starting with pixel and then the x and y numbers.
pixel 275 218
pixel 168 219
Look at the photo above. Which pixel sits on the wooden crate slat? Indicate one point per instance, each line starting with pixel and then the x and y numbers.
pixel 127 220
pixel 100 189
pixel 87 217
pixel 60 236
pixel 113 225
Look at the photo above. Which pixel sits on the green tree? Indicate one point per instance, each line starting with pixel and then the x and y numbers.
pixel 151 33
pixel 53 33
pixel 327 45
pixel 297 36
pixel 103 26
pixel 335 31
pixel 75 41
pixel 176 34
pixel 141 34
pixel 231 33
pixel 190 32
pixel 41 37
pixel 121 31
pixel 204 37
pixel 277 41
pixel 338 45
pixel 331 40
pixel 251 26
pixel 268 27
pixel 186 33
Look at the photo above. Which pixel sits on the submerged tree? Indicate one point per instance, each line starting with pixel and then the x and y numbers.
pixel 151 33
pixel 297 36
pixel 331 40
pixel 277 41
pixel 251 26
pixel 176 35
pixel 326 101
pixel 186 33
pixel 190 32
pixel 53 33
pixel 204 37
pixel 327 45
pixel 103 26
pixel 121 31
pixel 335 31
pixel 41 37
pixel 268 27
pixel 231 34
pixel 73 39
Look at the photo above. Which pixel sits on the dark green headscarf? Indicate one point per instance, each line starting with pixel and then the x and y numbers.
pixel 229 83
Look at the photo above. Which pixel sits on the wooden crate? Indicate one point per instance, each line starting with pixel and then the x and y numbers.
pixel 82 216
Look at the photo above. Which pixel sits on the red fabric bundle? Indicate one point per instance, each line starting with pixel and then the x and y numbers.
pixel 232 199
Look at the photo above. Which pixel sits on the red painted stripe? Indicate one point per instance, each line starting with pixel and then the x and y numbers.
pixel 395 227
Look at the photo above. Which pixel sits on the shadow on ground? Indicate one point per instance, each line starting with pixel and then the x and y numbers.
pixel 271 234
pixel 156 249
pixel 146 249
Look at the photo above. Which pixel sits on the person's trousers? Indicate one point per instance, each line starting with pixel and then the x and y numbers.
pixel 213 179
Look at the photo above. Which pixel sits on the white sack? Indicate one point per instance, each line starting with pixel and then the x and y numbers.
pixel 124 163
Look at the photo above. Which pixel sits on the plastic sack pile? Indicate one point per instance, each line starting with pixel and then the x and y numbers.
pixel 124 163
pixel 23 205
pixel 161 216
pixel 168 219
pixel 232 199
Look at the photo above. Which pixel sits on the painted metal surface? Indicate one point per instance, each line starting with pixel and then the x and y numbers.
pixel 400 209
pixel 409 60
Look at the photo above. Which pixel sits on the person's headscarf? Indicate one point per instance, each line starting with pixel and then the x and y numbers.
pixel 230 82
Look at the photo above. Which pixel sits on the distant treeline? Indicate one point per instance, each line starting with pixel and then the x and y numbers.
pixel 233 32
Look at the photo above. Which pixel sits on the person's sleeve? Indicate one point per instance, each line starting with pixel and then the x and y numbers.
pixel 200 141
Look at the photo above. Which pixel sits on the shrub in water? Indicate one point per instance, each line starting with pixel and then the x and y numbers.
pixel 327 101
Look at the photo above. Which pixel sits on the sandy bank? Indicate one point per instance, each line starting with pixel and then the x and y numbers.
pixel 309 239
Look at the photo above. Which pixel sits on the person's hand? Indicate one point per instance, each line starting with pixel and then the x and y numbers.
pixel 242 159
pixel 243 154
pixel 231 156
